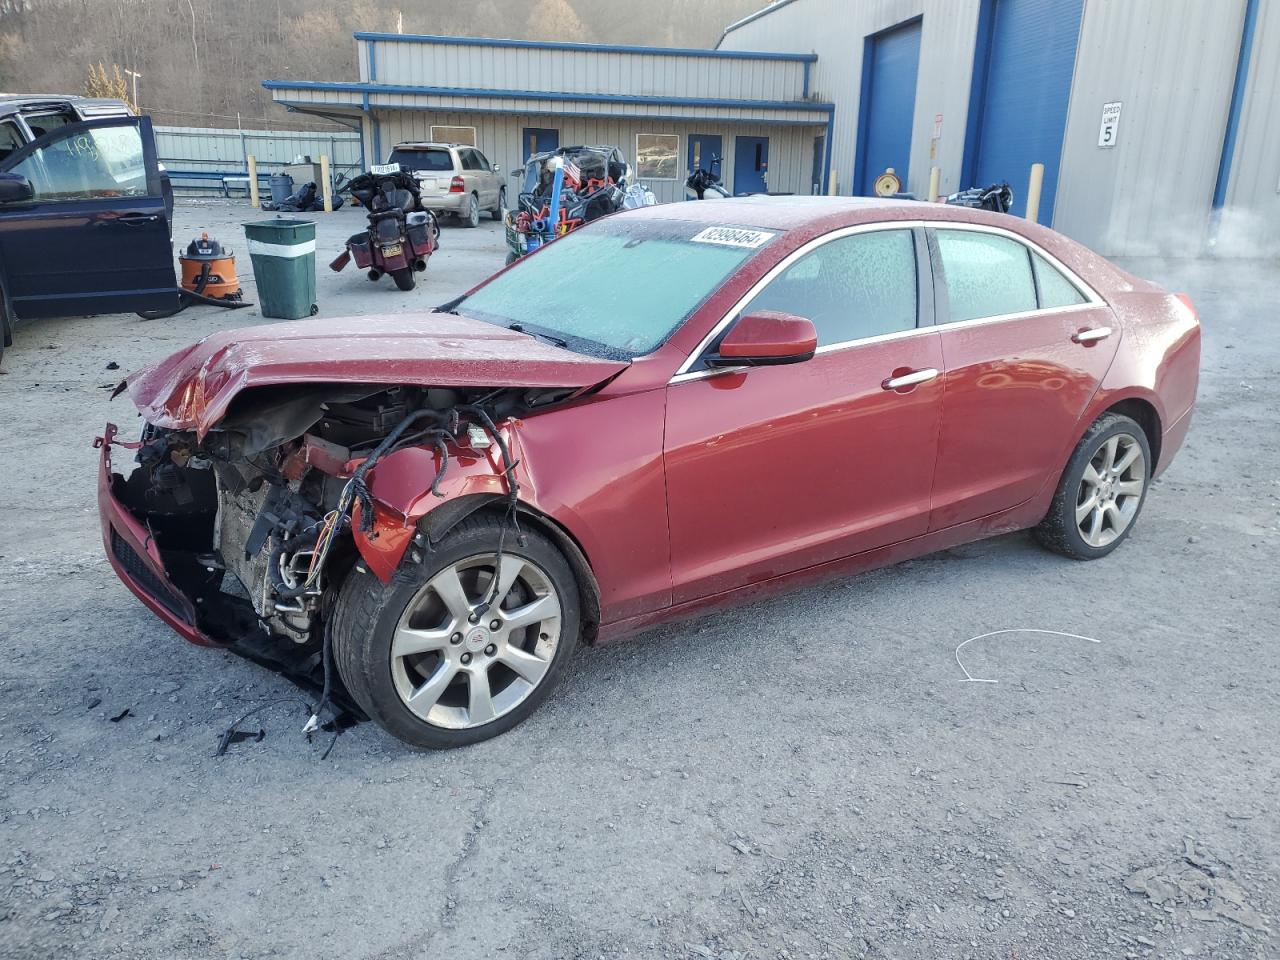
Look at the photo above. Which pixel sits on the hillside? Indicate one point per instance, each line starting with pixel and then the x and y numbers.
pixel 201 63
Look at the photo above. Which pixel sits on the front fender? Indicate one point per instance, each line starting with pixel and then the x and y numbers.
pixel 400 485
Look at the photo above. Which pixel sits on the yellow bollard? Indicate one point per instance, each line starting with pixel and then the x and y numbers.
pixel 253 179
pixel 833 185
pixel 326 184
pixel 1033 192
pixel 935 182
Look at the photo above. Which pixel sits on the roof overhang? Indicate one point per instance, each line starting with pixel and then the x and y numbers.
pixel 353 98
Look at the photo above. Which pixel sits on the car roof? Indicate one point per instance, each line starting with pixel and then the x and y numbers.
pixel 18 102
pixel 427 145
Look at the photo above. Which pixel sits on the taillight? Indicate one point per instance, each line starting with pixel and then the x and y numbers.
pixel 456 185
pixel 1186 302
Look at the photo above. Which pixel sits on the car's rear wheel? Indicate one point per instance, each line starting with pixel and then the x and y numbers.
pixel 471 218
pixel 431 664
pixel 1101 491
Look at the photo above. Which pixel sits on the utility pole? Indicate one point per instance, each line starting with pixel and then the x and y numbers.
pixel 135 75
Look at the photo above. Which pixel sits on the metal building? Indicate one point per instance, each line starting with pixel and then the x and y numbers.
pixel 1158 121
pixel 666 108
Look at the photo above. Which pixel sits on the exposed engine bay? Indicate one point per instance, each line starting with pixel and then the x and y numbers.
pixel 255 522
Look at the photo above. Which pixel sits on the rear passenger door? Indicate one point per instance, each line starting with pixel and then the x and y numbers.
pixel 93 235
pixel 1025 344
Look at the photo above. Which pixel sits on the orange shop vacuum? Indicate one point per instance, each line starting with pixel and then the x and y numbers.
pixel 210 271
pixel 208 276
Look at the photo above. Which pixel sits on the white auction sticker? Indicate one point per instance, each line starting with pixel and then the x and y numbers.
pixel 734 237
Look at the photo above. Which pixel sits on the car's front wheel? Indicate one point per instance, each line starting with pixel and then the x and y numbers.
pixel 497 211
pixel 1101 491
pixel 444 657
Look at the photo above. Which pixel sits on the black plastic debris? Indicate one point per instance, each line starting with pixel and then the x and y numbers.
pixel 126 712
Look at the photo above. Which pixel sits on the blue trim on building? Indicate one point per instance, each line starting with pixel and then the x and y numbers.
pixel 804 92
pixel 371 55
pixel 1237 104
pixel 490 111
pixel 826 149
pixel 864 115
pixel 752 17
pixel 376 88
pixel 589 47
pixel 977 92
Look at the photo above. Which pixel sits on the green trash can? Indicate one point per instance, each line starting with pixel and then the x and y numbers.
pixel 283 252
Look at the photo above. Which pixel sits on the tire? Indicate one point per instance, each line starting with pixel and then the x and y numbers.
pixel 512 257
pixel 1095 507
pixel 404 278
pixel 472 217
pixel 497 211
pixel 369 614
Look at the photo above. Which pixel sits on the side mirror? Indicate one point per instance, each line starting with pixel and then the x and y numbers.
pixel 767 338
pixel 15 188
pixel 497 168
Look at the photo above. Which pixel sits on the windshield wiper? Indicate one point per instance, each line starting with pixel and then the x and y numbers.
pixel 555 341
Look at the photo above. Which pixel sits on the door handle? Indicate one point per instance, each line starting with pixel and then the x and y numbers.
pixel 136 218
pixel 914 378
pixel 1091 336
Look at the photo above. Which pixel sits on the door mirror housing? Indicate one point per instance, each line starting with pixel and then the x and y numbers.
pixel 15 188
pixel 766 338
pixel 497 168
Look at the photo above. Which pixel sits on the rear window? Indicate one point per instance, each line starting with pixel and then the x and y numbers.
pixel 434 159
pixel 987 275
pixel 1055 289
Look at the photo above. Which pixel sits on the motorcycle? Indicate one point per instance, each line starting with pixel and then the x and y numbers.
pixel 402 233
pixel 705 184
pixel 998 198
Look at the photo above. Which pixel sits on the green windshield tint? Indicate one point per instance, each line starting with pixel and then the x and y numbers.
pixel 623 284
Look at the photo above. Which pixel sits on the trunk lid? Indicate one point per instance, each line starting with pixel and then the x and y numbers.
pixel 193 388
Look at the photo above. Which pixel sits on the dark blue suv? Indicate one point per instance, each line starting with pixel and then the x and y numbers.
pixel 84 212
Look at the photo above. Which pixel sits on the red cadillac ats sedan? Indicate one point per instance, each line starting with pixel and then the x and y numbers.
pixel 671 409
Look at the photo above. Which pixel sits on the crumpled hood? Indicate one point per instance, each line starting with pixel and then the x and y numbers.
pixel 193 388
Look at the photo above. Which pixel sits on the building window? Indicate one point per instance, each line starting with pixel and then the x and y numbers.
pixel 465 135
pixel 657 156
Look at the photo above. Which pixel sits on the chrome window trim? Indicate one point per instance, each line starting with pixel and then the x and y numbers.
pixel 1092 298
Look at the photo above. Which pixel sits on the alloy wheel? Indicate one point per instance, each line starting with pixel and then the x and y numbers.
pixel 457 668
pixel 1111 490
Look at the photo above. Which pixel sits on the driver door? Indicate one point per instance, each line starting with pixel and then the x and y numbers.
pixel 94 235
pixel 773 469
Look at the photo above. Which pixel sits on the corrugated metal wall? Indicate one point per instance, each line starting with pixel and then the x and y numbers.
pixel 835 31
pixel 218 150
pixel 499 138
pixel 483 67
pixel 1251 220
pixel 1171 64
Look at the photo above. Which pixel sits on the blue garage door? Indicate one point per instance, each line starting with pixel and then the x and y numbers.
pixel 891 61
pixel 1021 84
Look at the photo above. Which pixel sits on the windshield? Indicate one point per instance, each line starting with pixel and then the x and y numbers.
pixel 438 160
pixel 619 287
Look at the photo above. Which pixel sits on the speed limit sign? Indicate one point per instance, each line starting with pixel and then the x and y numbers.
pixel 1110 124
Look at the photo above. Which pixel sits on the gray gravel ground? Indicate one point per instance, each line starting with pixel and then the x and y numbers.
pixel 801 777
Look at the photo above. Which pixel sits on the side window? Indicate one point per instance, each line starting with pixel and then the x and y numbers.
pixel 482 160
pixel 987 275
pixel 470 160
pixel 858 286
pixel 10 139
pixel 1055 289
pixel 46 123
pixel 94 163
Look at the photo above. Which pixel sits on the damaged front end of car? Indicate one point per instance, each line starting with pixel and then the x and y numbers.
pixel 240 535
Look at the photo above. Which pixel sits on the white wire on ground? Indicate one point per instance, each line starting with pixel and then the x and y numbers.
pixel 969 678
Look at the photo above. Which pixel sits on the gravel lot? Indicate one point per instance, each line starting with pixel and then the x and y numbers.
pixel 801 777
